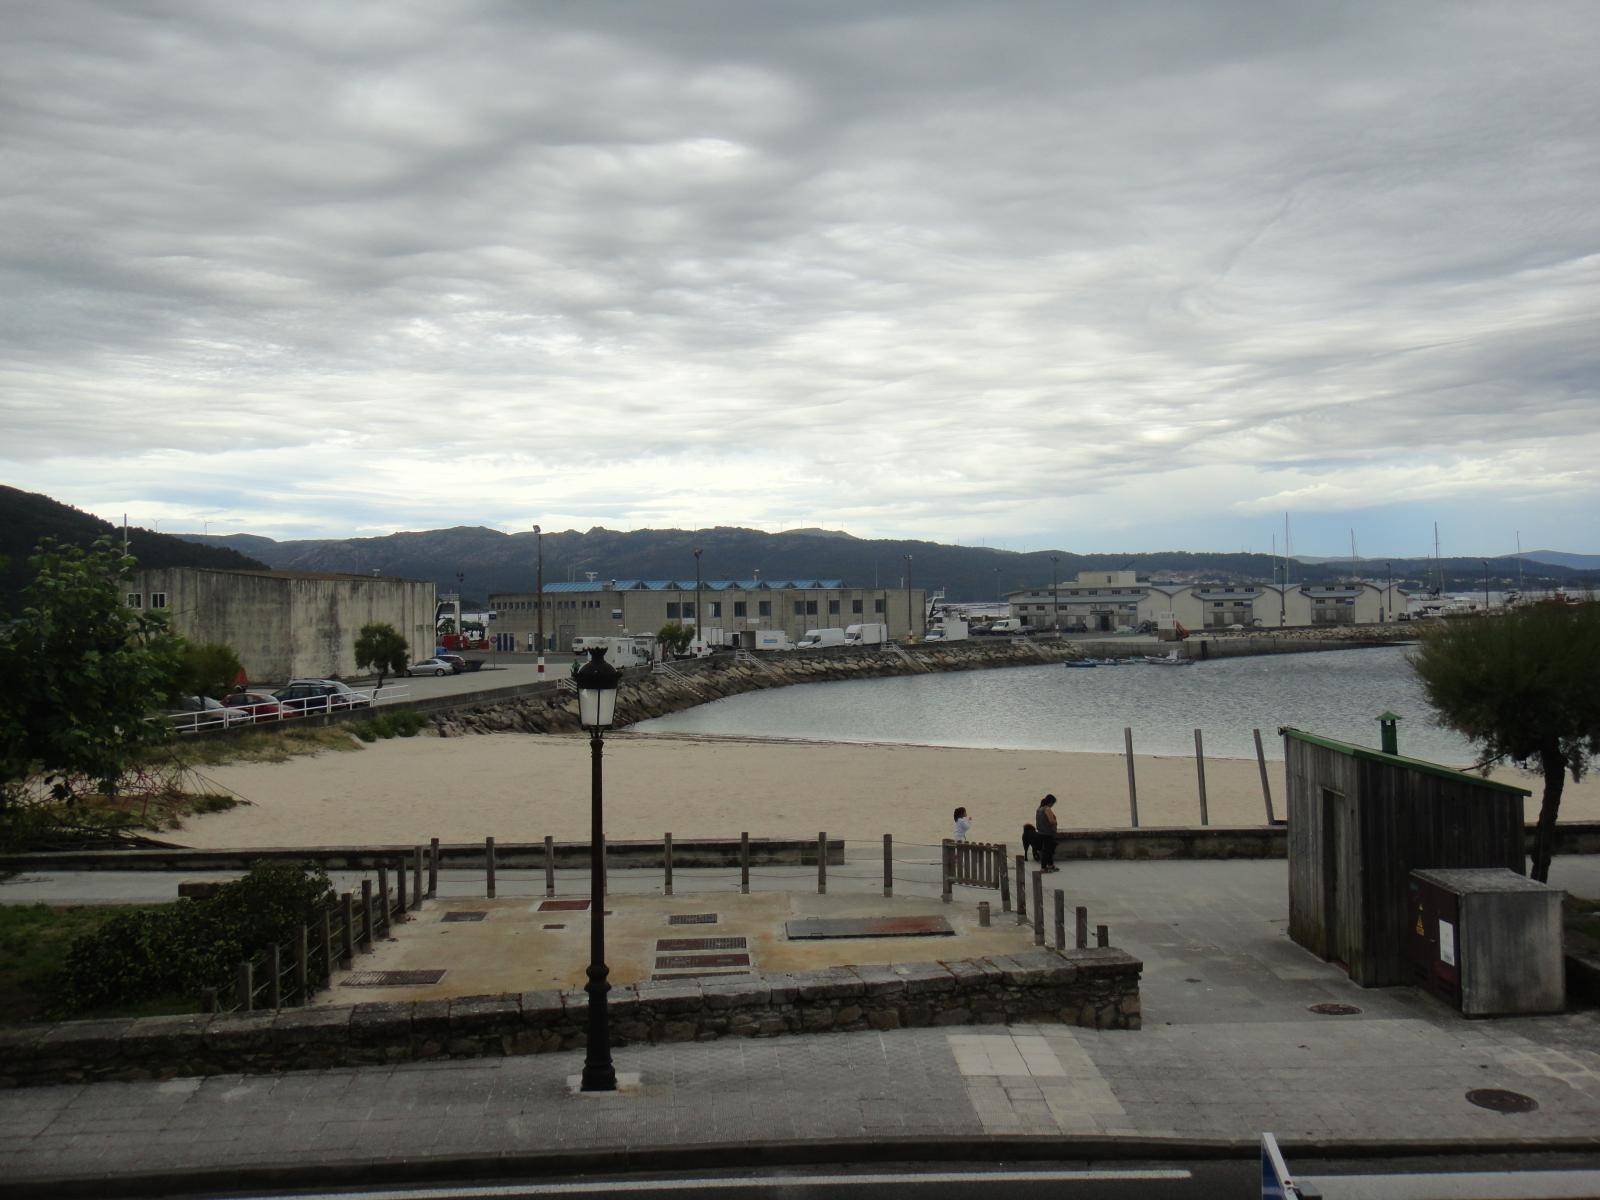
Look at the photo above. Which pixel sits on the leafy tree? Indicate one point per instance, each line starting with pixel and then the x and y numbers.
pixel 674 638
pixel 82 673
pixel 207 669
pixel 1526 688
pixel 381 647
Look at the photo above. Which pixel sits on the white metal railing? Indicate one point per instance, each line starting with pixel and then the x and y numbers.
pixel 238 718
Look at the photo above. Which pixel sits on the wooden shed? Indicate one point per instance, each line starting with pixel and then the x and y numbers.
pixel 1360 821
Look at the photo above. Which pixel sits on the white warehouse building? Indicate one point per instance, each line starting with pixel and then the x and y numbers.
pixel 1104 601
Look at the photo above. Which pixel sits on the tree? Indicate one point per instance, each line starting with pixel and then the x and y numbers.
pixel 1526 688
pixel 82 673
pixel 674 638
pixel 381 647
pixel 207 669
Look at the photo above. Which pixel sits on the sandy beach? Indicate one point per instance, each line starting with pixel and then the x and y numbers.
pixel 520 787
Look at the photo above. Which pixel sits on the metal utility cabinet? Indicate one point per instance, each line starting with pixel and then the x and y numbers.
pixel 1487 941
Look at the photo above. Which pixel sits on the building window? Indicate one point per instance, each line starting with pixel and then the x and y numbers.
pixel 799 608
pixel 672 612
pixel 158 599
pixel 877 605
pixel 811 608
pixel 688 610
pixel 855 607
pixel 716 608
pixel 738 608
pixel 764 607
pixel 135 600
pixel 833 608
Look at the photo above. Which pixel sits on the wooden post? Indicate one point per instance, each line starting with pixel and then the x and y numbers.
pixel 1102 936
pixel 416 877
pixel 888 864
pixel 1083 928
pixel 1022 889
pixel 744 864
pixel 947 869
pixel 822 864
pixel 1200 770
pixel 1133 789
pixel 666 859
pixel 433 867
pixel 383 896
pixel 400 887
pixel 244 986
pixel 1038 908
pixel 347 932
pixel 366 914
pixel 488 865
pixel 983 914
pixel 302 965
pixel 327 945
pixel 550 867
pixel 275 976
pixel 1266 788
pixel 1061 919
pixel 1004 877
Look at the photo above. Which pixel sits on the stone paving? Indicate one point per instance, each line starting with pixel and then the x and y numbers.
pixel 1228 1050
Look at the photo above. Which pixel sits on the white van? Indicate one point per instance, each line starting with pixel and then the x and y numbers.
pixel 815 639
pixel 866 635
pixel 621 652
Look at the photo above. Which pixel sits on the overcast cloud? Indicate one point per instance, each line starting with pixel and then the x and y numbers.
pixel 1096 276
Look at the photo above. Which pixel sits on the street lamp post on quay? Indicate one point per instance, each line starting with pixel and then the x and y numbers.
pixel 911 629
pixel 538 591
pixel 1485 563
pixel 597 706
pixel 1055 593
pixel 699 626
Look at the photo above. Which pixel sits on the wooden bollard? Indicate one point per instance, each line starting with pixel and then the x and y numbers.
pixel 1266 787
pixel 1083 928
pixel 744 864
pixel 302 965
pixel 1022 889
pixel 1200 772
pixel 1038 908
pixel 1102 936
pixel 383 896
pixel 488 866
pixel 888 864
pixel 416 877
pixel 1061 919
pixel 822 864
pixel 947 869
pixel 1004 878
pixel 983 914
pixel 244 986
pixel 1133 788
pixel 366 914
pixel 347 933
pixel 400 887
pixel 433 867
pixel 550 866
pixel 666 860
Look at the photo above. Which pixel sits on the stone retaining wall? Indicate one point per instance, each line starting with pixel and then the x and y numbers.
pixel 1095 988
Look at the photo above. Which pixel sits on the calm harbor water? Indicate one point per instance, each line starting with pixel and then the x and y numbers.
pixel 1338 693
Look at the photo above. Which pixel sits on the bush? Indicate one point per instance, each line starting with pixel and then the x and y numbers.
pixel 192 945
pixel 387 725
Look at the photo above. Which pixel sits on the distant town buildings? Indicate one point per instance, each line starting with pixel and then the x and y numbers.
pixel 286 624
pixel 1104 601
pixel 737 607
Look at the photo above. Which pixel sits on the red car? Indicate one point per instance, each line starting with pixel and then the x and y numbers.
pixel 260 705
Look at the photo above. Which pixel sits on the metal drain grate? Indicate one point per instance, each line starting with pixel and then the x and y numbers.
pixel 555 927
pixel 1335 1010
pixel 564 906
pixel 663 945
pixel 692 919
pixel 393 978
pixel 698 975
pixel 464 916
pixel 1501 1101
pixel 686 961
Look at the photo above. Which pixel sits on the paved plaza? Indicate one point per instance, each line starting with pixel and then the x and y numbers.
pixel 1229 1049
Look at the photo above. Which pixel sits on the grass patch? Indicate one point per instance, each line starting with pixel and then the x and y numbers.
pixel 33 945
pixel 262 745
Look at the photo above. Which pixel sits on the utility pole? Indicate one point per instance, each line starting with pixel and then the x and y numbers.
pixel 699 628
pixel 538 590
pixel 910 628
pixel 1055 593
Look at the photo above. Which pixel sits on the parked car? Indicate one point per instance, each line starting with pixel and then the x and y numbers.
pixel 431 666
pixel 256 706
pixel 455 662
pixel 320 695
pixel 203 712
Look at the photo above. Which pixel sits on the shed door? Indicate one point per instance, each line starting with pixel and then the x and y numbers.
pixel 1335 854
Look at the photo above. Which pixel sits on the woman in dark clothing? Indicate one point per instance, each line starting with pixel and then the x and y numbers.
pixel 1045 820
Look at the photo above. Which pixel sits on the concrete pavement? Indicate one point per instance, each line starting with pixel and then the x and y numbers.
pixel 1229 1049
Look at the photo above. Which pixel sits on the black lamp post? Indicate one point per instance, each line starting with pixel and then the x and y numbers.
pixel 597 706
pixel 538 588
pixel 1485 563
pixel 1388 590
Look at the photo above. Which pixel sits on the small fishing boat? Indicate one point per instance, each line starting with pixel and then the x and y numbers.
pixel 1081 662
pixel 1171 659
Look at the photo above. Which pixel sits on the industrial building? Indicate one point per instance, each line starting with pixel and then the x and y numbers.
pixel 738 607
pixel 1104 601
pixel 286 624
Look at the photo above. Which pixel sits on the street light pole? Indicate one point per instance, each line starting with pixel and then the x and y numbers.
pixel 1388 590
pixel 597 700
pixel 1485 563
pixel 699 626
pixel 538 588
pixel 1055 593
pixel 910 628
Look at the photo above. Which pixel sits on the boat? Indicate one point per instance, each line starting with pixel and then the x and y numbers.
pixel 1171 659
pixel 1081 662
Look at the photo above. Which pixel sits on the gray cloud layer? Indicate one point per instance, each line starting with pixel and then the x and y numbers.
pixel 1080 274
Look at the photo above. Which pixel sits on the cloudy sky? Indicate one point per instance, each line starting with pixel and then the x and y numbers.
pixel 1090 276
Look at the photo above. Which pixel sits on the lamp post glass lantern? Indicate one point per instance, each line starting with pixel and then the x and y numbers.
pixel 597 707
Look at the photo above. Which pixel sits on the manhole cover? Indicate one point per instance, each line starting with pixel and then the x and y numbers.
pixel 393 978
pixel 664 945
pixel 1501 1101
pixel 692 919
pixel 465 916
pixel 563 906
pixel 1335 1010
pixel 688 961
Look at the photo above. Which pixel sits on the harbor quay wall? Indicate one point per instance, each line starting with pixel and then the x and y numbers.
pixel 1094 988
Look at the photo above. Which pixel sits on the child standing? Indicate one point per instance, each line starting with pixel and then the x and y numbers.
pixel 963 824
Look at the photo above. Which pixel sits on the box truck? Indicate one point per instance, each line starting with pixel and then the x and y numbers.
pixel 817 638
pixel 771 639
pixel 621 652
pixel 866 635
pixel 951 629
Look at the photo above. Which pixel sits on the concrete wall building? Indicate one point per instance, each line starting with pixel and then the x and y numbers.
pixel 286 624
pixel 1104 601
pixel 738 607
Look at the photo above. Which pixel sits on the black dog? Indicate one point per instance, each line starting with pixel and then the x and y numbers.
pixel 1030 842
